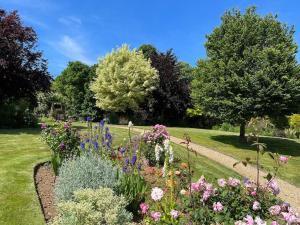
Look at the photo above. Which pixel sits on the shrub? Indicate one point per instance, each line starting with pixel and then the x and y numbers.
pixel 294 122
pixel 93 207
pixel 63 140
pixel 87 171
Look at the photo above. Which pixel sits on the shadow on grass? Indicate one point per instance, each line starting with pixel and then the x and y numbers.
pixel 279 145
pixel 20 131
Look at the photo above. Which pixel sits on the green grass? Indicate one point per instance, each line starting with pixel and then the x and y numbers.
pixel 20 151
pixel 229 144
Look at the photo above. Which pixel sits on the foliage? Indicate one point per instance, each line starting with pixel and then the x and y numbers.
pixel 124 79
pixel 73 86
pixel 251 69
pixel 17 114
pixel 44 103
pixel 172 97
pixel 226 127
pixel 294 122
pixel 133 187
pixel 86 171
pixel 22 68
pixel 93 207
pixel 63 141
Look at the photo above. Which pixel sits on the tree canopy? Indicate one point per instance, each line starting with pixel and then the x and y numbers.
pixel 124 79
pixel 171 98
pixel 23 71
pixel 73 85
pixel 251 69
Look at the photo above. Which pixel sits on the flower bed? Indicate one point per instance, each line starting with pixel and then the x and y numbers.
pixel 159 189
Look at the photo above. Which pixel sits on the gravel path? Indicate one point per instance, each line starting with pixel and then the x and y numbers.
pixel 289 192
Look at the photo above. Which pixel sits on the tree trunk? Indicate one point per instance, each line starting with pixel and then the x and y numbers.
pixel 242 131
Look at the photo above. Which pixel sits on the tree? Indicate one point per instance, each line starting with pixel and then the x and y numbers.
pixel 23 71
pixel 251 69
pixel 124 79
pixel 172 97
pixel 72 84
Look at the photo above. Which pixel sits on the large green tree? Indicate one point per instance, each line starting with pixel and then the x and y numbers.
pixel 73 86
pixel 124 79
pixel 251 69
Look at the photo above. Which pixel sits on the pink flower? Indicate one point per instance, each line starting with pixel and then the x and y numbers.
pixel 217 206
pixel 144 208
pixel 43 126
pixel 222 182
pixel 157 194
pixel 174 213
pixel 274 223
pixel 273 186
pixel 253 193
pixel 275 210
pixel 283 159
pixel 259 221
pixel 289 217
pixel 249 220
pixel 156 216
pixel 206 195
pixel 233 182
pixel 195 187
pixel 256 205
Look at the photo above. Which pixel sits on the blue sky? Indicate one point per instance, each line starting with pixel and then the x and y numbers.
pixel 86 30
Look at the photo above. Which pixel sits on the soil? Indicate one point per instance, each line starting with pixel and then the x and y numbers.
pixel 44 182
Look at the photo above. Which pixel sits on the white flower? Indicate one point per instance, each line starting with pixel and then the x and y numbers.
pixel 259 221
pixel 157 150
pixel 166 144
pixel 183 192
pixel 171 153
pixel 256 205
pixel 157 194
pixel 130 124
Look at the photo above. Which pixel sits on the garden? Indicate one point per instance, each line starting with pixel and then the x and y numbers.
pixel 143 138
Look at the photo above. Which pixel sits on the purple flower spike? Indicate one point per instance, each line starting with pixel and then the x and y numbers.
pixel 133 160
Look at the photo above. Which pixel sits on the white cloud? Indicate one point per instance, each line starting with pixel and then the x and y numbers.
pixel 71 49
pixel 70 20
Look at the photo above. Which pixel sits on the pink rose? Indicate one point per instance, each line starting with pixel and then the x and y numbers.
pixel 217 206
pixel 156 216
pixel 144 208
pixel 283 159
pixel 256 205
pixel 174 213
pixel 275 210
pixel 222 182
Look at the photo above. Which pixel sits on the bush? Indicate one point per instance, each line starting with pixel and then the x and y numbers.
pixel 93 207
pixel 63 140
pixel 226 127
pixel 17 114
pixel 87 171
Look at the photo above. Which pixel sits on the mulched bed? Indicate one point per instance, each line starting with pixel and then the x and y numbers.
pixel 44 179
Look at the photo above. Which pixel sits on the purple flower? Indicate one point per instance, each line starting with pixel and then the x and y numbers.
pixel 102 123
pixel 126 162
pixel 62 146
pixel 66 126
pixel 82 145
pixel 273 186
pixel 274 223
pixel 289 217
pixel 96 145
pixel 122 150
pixel 133 159
pixel 217 206
pixel 88 119
pixel 43 126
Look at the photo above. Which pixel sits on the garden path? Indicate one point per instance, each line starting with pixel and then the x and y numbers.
pixel 289 193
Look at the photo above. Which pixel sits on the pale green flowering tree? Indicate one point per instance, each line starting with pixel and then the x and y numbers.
pixel 124 78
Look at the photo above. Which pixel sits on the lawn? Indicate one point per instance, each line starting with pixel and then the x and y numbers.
pixel 229 144
pixel 21 150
